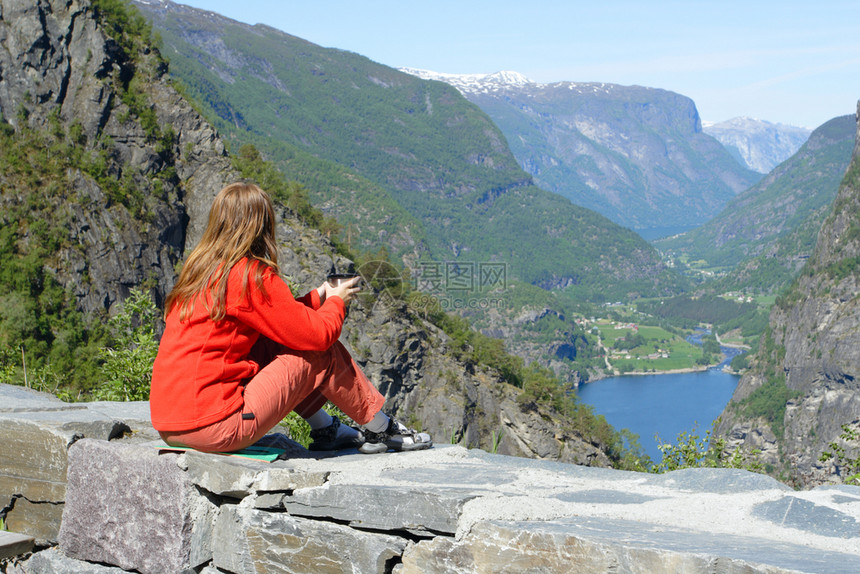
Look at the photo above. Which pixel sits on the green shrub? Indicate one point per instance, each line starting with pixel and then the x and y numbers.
pixel 768 401
pixel 850 438
pixel 691 451
pixel 127 367
pixel 298 430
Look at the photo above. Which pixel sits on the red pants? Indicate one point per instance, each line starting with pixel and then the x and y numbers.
pixel 288 381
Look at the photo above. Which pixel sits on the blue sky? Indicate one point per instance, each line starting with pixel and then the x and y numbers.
pixel 791 62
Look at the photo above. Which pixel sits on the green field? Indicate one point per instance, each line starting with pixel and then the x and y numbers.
pixel 660 350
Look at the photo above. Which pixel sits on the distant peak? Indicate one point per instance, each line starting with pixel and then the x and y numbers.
pixel 748 123
pixel 474 83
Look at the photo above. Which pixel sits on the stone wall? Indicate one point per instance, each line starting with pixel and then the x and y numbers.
pixel 37 431
pixel 122 502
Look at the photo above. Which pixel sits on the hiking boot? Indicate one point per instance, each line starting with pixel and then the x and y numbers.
pixel 333 437
pixel 396 437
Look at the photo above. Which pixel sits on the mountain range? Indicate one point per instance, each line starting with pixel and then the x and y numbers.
pixel 637 155
pixel 413 168
pixel 434 157
pixel 107 172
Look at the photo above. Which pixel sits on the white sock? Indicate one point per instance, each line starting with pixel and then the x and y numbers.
pixel 379 422
pixel 319 420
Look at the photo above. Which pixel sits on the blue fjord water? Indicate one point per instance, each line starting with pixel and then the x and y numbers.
pixel 662 404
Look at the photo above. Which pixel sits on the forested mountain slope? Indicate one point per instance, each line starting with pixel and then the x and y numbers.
pixel 803 385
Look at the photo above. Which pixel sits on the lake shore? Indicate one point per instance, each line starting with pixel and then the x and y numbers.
pixel 603 376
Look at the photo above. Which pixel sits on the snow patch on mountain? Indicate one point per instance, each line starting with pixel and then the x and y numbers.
pixel 471 84
pixel 475 83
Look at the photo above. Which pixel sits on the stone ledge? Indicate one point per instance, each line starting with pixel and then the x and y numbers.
pixel 447 509
pixel 130 505
pixel 611 545
pixel 13 544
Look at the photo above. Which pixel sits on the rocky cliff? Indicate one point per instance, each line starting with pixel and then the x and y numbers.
pixel 59 69
pixel 758 144
pixel 804 383
pixel 66 69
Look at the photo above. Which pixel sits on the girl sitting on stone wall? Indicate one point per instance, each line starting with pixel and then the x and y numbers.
pixel 239 352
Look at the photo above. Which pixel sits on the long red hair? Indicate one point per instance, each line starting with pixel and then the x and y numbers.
pixel 241 226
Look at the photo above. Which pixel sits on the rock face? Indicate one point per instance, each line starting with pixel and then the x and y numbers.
pixel 58 65
pixel 411 365
pixel 811 351
pixel 759 145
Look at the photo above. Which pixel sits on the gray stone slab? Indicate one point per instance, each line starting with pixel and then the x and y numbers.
pixel 237 477
pixel 14 544
pixel 40 520
pixel 605 496
pixel 618 546
pixel 14 398
pixel 475 476
pixel 270 501
pixel 738 550
pixel 517 465
pixel 486 471
pixel 37 431
pixel 52 561
pixel 718 480
pixel 718 501
pixel 128 506
pixel 33 477
pixel 387 508
pixel 135 414
pixel 26 404
pixel 809 517
pixel 840 493
pixel 92 420
pixel 248 540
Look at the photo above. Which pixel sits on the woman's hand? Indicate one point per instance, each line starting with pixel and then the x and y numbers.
pixel 346 290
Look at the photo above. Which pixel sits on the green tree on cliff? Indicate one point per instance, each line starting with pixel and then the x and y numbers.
pixel 127 367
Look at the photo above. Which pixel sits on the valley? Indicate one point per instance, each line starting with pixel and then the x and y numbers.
pixel 763 237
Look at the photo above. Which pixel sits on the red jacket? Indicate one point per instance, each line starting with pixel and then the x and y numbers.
pixel 199 374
